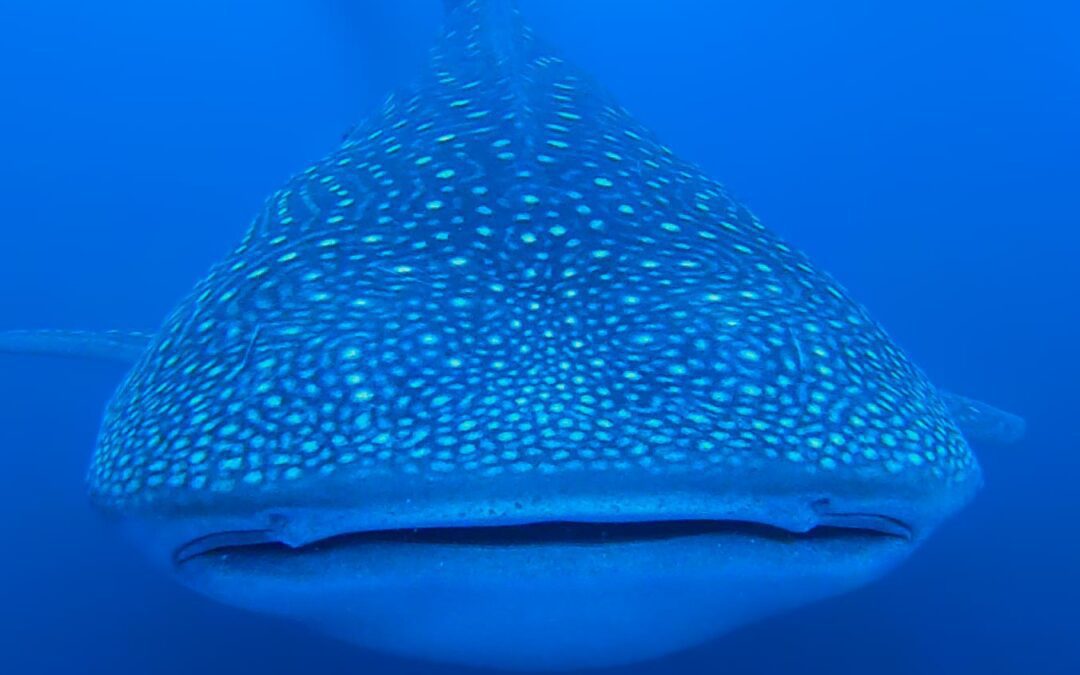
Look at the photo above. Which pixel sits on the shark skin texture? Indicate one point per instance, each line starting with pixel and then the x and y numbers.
pixel 504 382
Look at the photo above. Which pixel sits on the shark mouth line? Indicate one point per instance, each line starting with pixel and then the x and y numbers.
pixel 848 526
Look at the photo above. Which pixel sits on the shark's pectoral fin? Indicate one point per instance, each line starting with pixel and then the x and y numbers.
pixel 119 346
pixel 983 422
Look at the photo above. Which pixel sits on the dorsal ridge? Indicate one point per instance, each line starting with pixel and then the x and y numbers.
pixel 489 30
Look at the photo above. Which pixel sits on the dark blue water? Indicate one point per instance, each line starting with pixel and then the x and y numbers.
pixel 925 153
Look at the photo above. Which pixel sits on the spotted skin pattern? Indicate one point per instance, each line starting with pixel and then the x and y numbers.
pixel 504 273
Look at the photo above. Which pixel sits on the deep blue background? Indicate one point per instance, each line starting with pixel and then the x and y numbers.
pixel 926 153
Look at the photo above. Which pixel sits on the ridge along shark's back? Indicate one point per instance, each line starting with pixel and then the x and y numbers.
pixel 503 381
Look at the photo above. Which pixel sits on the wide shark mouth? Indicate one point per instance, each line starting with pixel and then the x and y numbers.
pixel 868 528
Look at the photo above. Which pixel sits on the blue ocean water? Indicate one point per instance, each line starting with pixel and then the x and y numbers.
pixel 924 153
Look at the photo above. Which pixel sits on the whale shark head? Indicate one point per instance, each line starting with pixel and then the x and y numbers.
pixel 503 381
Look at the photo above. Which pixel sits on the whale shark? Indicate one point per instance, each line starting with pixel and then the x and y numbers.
pixel 504 382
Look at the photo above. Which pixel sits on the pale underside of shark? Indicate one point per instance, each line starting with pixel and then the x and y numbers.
pixel 505 382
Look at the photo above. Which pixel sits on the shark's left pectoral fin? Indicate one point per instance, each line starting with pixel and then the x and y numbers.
pixel 119 346
pixel 983 422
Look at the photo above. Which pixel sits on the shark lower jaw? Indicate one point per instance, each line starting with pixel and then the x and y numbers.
pixel 543 596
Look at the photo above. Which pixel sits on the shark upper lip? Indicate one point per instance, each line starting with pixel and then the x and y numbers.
pixel 582 533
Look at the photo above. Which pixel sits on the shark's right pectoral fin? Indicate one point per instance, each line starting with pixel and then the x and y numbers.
pixel 981 421
pixel 119 346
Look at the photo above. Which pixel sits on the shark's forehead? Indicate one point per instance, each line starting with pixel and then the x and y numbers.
pixel 502 273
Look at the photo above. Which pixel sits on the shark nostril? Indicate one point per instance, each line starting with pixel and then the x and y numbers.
pixel 828 516
pixel 870 522
pixel 222 540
